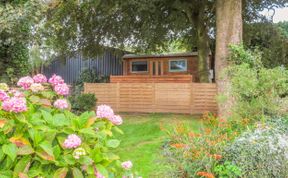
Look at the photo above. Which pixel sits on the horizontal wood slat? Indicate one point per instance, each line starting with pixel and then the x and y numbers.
pixel 188 98
pixel 151 79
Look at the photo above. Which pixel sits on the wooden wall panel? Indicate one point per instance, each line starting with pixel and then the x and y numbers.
pixel 188 98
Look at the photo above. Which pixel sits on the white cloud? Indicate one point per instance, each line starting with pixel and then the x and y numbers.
pixel 281 14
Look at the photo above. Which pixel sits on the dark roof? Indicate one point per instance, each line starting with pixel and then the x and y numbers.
pixel 130 56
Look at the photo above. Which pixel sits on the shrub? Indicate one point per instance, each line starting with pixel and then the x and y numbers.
pixel 262 152
pixel 76 98
pixel 40 137
pixel 257 91
pixel 83 102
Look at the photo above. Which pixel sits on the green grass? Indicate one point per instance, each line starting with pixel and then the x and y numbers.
pixel 143 138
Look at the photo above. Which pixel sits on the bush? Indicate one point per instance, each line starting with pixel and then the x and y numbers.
pixel 83 102
pixel 40 137
pixel 262 152
pixel 78 101
pixel 257 91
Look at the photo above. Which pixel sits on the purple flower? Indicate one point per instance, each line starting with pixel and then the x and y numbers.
pixel 40 78
pixel 55 80
pixel 61 104
pixel 127 165
pixel 105 112
pixel 15 104
pixel 3 95
pixel 62 89
pixel 72 141
pixel 116 120
pixel 25 82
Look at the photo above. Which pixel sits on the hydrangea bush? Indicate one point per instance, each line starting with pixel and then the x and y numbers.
pixel 40 137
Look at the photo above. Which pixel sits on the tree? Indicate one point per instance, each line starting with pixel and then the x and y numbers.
pixel 270 39
pixel 229 31
pixel 17 33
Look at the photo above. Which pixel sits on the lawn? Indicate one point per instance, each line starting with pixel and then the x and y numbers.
pixel 144 137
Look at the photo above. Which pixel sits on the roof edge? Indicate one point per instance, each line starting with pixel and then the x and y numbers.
pixel 130 56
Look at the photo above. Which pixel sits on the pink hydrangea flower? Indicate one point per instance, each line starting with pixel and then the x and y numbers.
pixel 61 104
pixel 99 175
pixel 55 80
pixel 3 95
pixel 62 89
pixel 105 111
pixel 116 120
pixel 36 87
pixel 40 78
pixel 25 82
pixel 15 104
pixel 72 141
pixel 127 165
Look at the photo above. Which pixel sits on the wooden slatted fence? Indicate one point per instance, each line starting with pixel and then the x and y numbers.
pixel 188 98
pixel 151 79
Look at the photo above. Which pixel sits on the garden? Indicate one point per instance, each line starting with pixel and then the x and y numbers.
pixel 53 129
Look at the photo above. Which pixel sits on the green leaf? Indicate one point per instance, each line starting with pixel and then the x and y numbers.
pixel 111 156
pixel 22 164
pixel 69 159
pixel 118 130
pixel 85 160
pixel 25 150
pixel 60 173
pixel 10 150
pixel 47 94
pixel 47 147
pixel 113 143
pixel 34 99
pixel 102 170
pixel 97 155
pixel 47 117
pixel 36 119
pixel 89 132
pixel 60 120
pixel 2 155
pixel 77 173
pixel 6 174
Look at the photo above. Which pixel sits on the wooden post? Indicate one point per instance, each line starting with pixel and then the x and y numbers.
pixel 117 96
pixel 191 98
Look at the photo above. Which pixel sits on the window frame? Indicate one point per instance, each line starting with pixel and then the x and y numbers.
pixel 131 68
pixel 186 65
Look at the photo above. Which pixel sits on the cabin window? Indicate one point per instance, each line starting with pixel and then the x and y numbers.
pixel 139 66
pixel 178 65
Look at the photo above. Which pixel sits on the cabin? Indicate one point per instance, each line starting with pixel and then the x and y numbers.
pixel 166 83
pixel 162 68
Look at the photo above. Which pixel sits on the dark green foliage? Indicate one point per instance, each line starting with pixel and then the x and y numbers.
pixel 271 39
pixel 258 91
pixel 83 102
pixel 283 27
pixel 17 19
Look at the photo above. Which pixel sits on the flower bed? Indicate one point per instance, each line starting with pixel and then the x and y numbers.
pixel 40 137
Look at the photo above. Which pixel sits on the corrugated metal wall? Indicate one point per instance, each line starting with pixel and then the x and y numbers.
pixel 70 69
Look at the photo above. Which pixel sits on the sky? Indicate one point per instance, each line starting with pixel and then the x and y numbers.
pixel 281 14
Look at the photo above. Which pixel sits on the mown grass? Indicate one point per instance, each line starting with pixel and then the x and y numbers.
pixel 144 135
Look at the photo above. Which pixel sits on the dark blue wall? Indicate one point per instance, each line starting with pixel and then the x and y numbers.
pixel 70 68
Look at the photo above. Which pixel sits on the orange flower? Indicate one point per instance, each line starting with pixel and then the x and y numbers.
pixel 216 156
pixel 205 174
pixel 178 145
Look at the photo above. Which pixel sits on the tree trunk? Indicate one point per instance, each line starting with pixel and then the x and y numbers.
pixel 203 51
pixel 229 31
